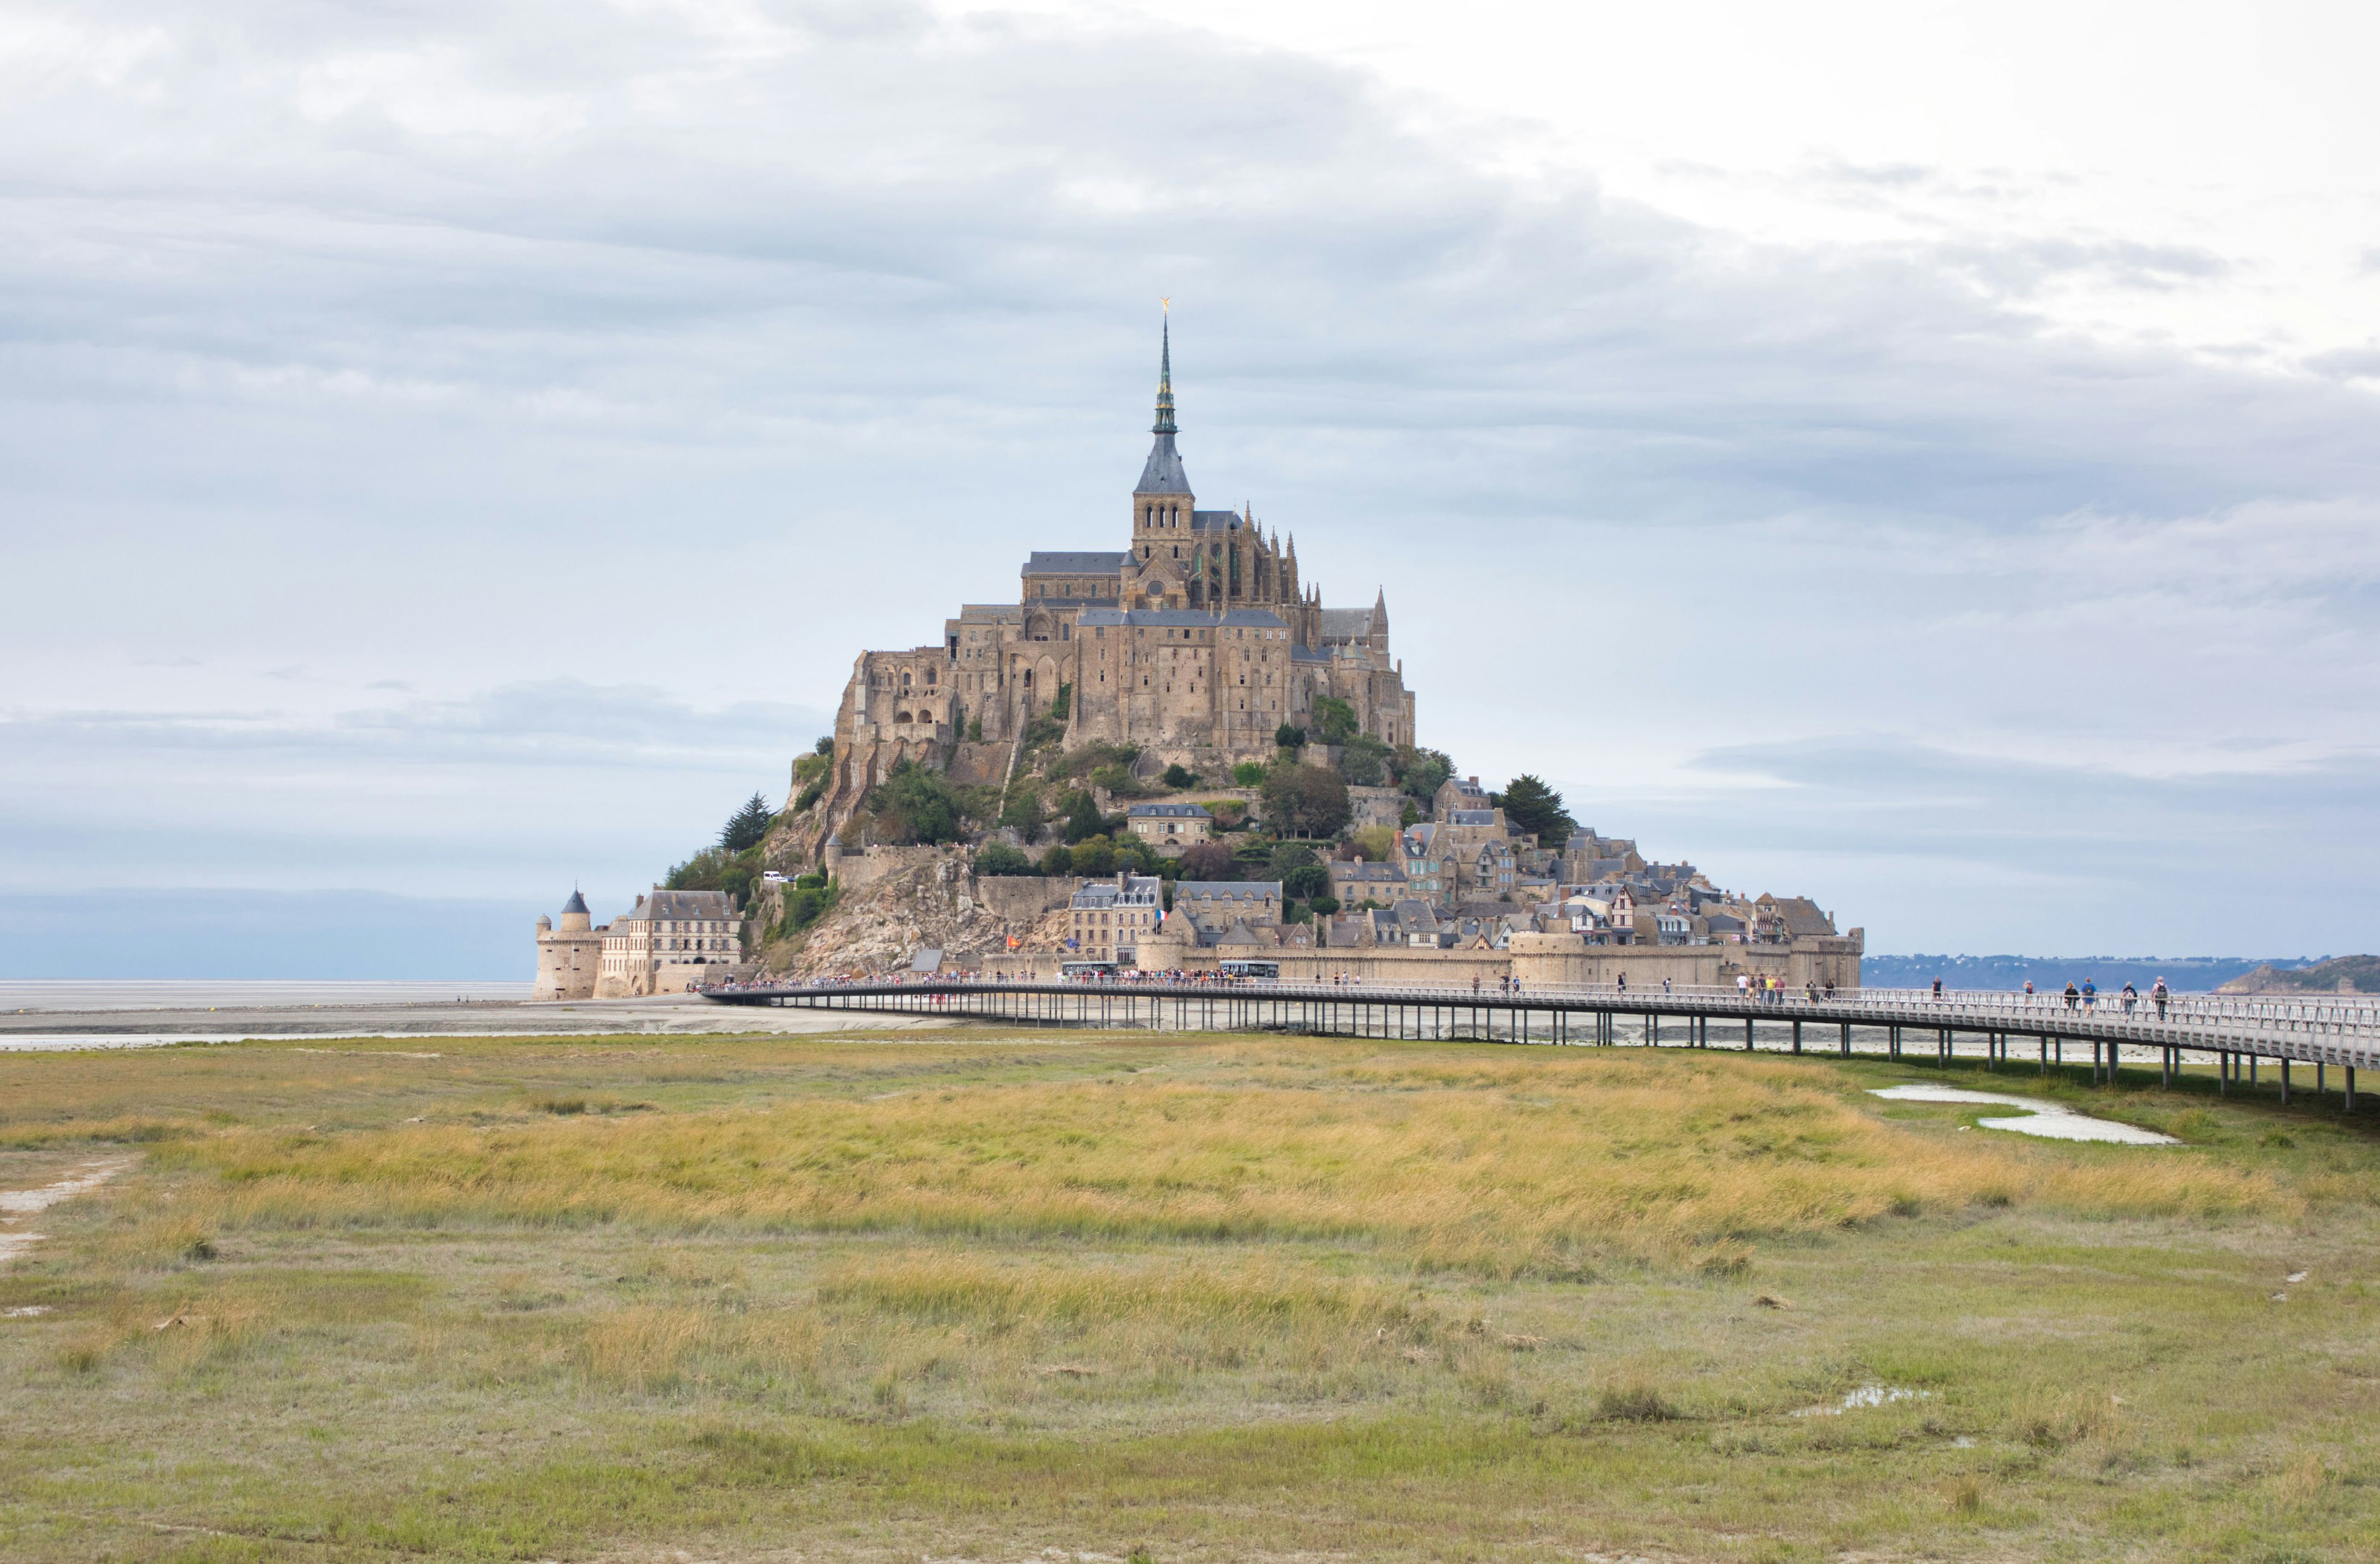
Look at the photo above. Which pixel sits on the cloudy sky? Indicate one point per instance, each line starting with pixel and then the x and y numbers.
pixel 1923 456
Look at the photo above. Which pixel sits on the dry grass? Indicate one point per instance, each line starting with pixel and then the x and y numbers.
pixel 1219 1299
pixel 1506 1167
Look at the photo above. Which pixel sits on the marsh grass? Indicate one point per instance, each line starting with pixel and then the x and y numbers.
pixel 1218 1298
pixel 1506 1168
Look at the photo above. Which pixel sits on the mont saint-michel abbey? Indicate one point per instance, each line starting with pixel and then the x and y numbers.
pixel 1197 643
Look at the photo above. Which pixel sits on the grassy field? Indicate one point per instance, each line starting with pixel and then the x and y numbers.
pixel 1181 1299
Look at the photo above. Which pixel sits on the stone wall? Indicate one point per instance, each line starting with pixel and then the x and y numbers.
pixel 1022 899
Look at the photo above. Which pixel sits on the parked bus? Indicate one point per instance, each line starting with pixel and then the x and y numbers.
pixel 1079 969
pixel 1269 971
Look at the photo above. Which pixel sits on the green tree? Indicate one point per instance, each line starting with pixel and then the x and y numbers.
pixel 1324 905
pixel 1421 772
pixel 1364 761
pixel 1307 883
pixel 1281 857
pixel 1531 805
pixel 715 868
pixel 1305 800
pixel 1180 776
pixel 1094 857
pixel 1288 737
pixel 1248 774
pixel 1059 860
pixel 1083 816
pixel 1336 719
pixel 1022 813
pixel 915 803
pixel 747 826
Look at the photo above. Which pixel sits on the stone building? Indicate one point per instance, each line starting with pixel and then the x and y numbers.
pixel 1197 642
pixel 569 954
pixel 1212 906
pixel 670 942
pixel 1108 918
pixel 1169 827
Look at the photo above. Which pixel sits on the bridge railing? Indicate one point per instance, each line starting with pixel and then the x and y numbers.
pixel 2345 1018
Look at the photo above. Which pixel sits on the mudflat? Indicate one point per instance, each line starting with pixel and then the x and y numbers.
pixel 99 1015
pixel 981 1295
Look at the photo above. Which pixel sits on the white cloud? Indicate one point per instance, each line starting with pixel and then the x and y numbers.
pixel 546 387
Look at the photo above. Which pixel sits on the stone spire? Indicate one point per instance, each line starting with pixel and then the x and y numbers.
pixel 1163 473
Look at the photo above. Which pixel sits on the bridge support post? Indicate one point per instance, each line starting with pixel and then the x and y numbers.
pixel 2284 1081
pixel 2045 1053
pixel 1747 1034
pixel 1942 1047
pixel 2351 1086
pixel 1797 1035
pixel 2318 1084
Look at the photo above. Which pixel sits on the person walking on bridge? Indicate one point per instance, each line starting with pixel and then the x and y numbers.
pixel 2131 998
pixel 1938 990
pixel 2074 995
pixel 2089 994
pixel 2157 992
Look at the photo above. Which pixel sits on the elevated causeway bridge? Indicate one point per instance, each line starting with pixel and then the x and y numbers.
pixel 2238 1035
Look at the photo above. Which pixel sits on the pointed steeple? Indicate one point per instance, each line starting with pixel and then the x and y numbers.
pixel 1163 474
pixel 1164 424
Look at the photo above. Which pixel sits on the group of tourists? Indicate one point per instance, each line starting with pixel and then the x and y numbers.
pixel 2086 997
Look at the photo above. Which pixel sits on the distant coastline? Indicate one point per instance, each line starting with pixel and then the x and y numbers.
pixel 2187 974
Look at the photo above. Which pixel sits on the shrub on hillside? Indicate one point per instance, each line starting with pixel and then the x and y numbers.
pixel 1209 860
pixel 914 805
pixel 1000 858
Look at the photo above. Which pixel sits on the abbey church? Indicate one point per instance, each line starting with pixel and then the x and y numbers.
pixel 1197 643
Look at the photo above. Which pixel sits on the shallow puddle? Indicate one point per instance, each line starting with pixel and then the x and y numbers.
pixel 1866 1396
pixel 2052 1120
pixel 16 1204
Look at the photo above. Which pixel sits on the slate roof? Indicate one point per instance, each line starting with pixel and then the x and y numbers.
pixel 1101 893
pixel 1040 562
pixel 682 905
pixel 1184 618
pixel 1471 816
pixel 1213 521
pixel 1206 888
pixel 576 904
pixel 1346 624
pixel 1169 812
pixel 1163 474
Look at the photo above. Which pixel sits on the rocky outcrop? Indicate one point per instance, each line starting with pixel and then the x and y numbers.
pixel 2340 975
pixel 925 899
